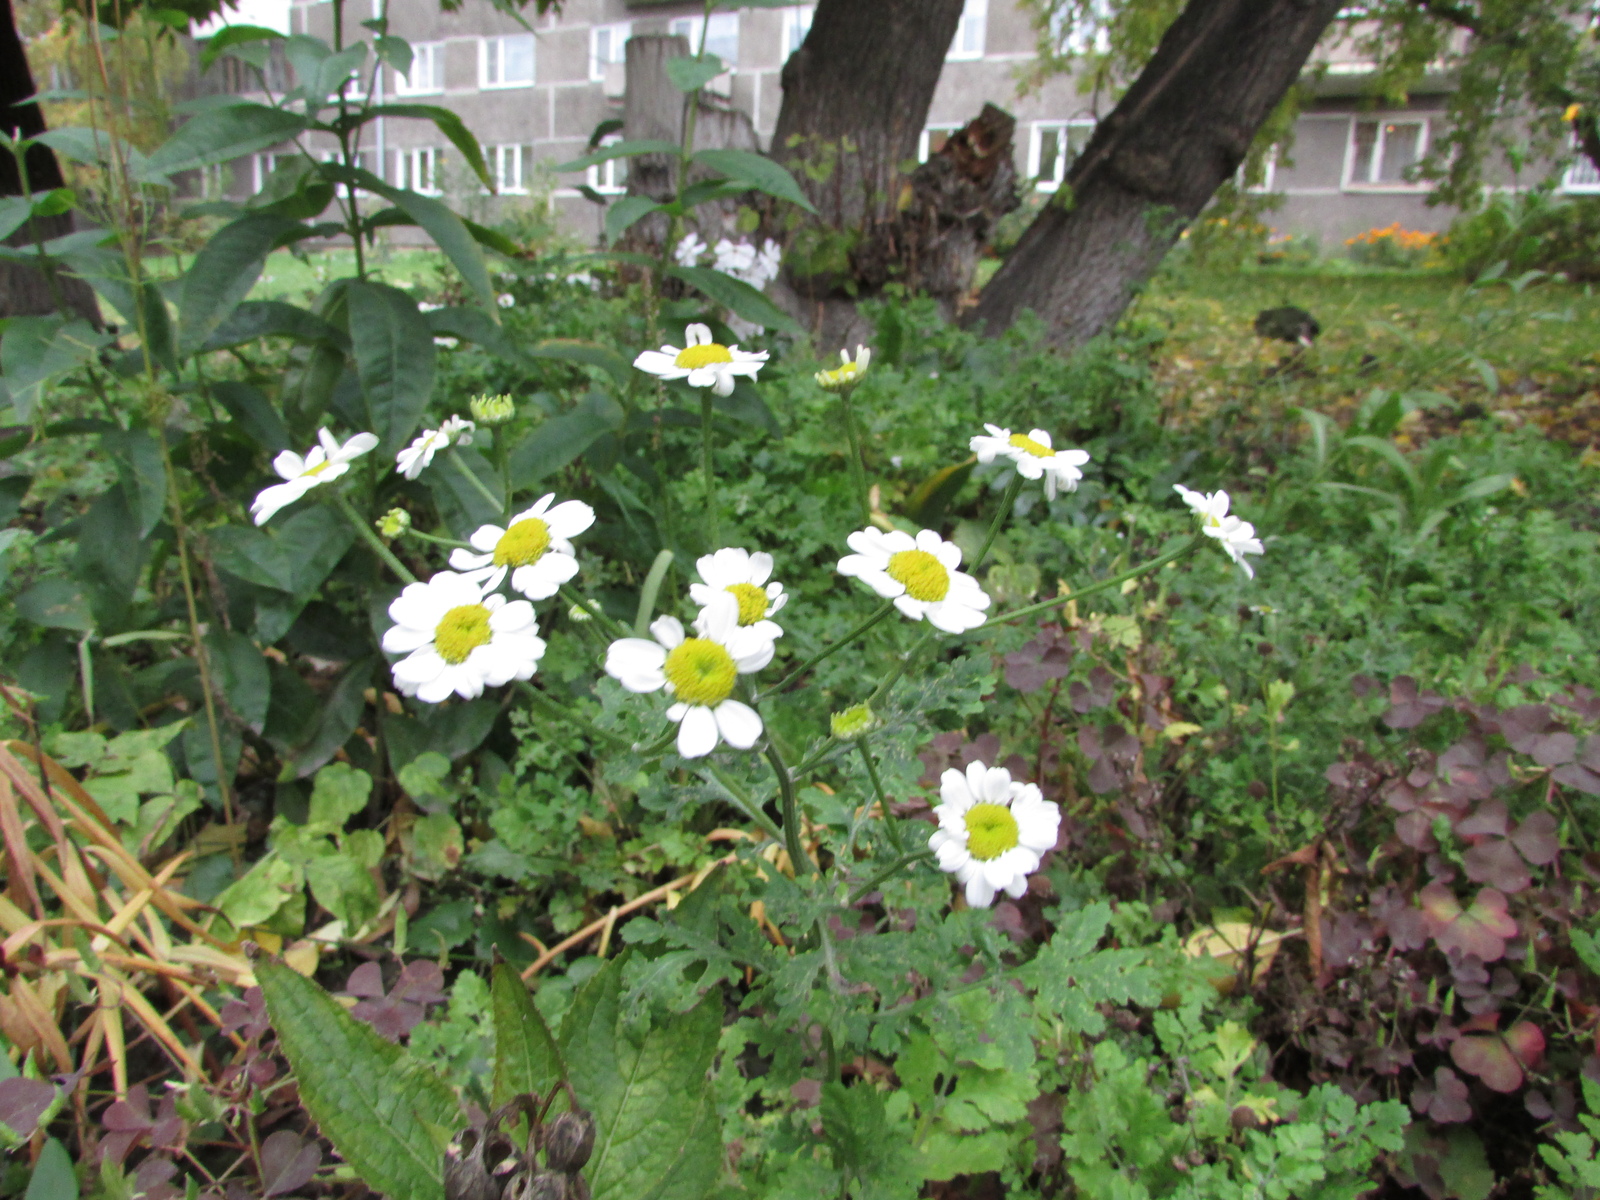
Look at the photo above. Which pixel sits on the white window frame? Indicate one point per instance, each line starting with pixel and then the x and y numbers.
pixel 506 163
pixel 1582 177
pixel 1036 149
pixel 492 50
pixel 697 31
pixel 1269 174
pixel 796 24
pixel 618 34
pixel 1088 32
pixel 429 82
pixel 263 165
pixel 370 155
pixel 602 177
pixel 1358 180
pixel 418 161
pixel 972 33
pixel 925 141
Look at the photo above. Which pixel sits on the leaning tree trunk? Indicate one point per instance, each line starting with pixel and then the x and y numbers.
pixel 1178 134
pixel 855 101
pixel 25 290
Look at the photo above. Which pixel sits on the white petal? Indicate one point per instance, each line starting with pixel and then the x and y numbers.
pixel 979 893
pixel 668 631
pixel 739 723
pixel 462 559
pixel 658 363
pixel 486 537
pixel 697 732
pixel 760 568
pixel 636 664
pixel 953 790
pixel 698 335
pixel 917 609
pixel 542 579
pixel 569 518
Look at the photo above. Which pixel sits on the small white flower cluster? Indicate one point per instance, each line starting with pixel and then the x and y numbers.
pixel 740 259
pixel 734 635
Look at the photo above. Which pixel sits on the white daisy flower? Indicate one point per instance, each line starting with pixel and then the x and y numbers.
pixel 534 547
pixel 744 576
pixel 1237 537
pixel 454 431
pixel 702 362
pixel 1034 457
pixel 457 640
pixel 992 831
pixel 848 373
pixel 506 300
pixel 700 671
pixel 919 574
pixel 689 250
pixel 326 460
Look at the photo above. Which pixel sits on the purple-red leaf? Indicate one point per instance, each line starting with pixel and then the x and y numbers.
pixel 288 1162
pixel 1497 863
pixel 1445 1099
pixel 23 1101
pixel 1537 838
pixel 1481 929
pixel 1499 1059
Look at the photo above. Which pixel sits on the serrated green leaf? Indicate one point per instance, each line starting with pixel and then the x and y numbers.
pixel 525 1054
pixel 393 349
pixel 622 215
pixel 690 74
pixel 380 1108
pixel 756 171
pixel 625 149
pixel 224 271
pixel 737 295
pixel 561 439
pixel 223 134
pixel 447 123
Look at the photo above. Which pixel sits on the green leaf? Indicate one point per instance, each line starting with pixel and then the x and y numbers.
pixel 253 413
pixel 561 439
pixel 625 212
pixel 739 296
pixel 242 676
pixel 338 719
pixel 143 472
pixel 56 603
pixel 448 231
pixel 393 51
pixel 657 1135
pixel 525 1055
pixel 691 74
pixel 393 349
pixel 449 124
pixel 229 36
pixel 339 793
pixel 589 353
pixel 259 893
pixel 756 171
pixel 14 210
pixel 344 886
pixel 745 404
pixel 52 1177
pixel 37 350
pixel 160 341
pixel 625 149
pixel 474 326
pixel 223 134
pixel 383 1111
pixel 272 318
pixel 225 270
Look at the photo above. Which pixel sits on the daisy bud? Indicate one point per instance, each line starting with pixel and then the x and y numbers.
pixel 579 613
pixel 394 522
pixel 492 410
pixel 569 1141
pixel 845 376
pixel 853 722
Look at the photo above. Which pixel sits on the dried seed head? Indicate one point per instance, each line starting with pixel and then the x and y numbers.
pixel 469 1166
pixel 569 1141
pixel 547 1185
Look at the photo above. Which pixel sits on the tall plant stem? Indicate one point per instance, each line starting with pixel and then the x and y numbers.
pixel 499 502
pixel 1007 502
pixel 858 468
pixel 712 529
pixel 798 858
pixel 891 827
pixel 648 594
pixel 743 801
pixel 342 503
pixel 883 611
pixel 894 868
pixel 1154 564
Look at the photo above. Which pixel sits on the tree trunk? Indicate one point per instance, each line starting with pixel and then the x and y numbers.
pixel 855 101
pixel 1178 134
pixel 25 290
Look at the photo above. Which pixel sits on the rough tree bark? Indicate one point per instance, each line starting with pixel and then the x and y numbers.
pixel 24 290
pixel 1178 134
pixel 865 75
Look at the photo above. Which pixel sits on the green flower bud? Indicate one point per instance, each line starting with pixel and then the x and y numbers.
pixel 492 410
pixel 853 722
pixel 394 522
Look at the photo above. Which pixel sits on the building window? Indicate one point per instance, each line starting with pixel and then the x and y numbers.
pixel 263 165
pixel 796 24
pixel 933 139
pixel 506 61
pixel 970 33
pixel 506 162
pixel 427 71
pixel 418 170
pixel 1269 174
pixel 1082 30
pixel 366 160
pixel 1052 145
pixel 1385 153
pixel 1582 175
pixel 608 47
pixel 609 178
pixel 720 32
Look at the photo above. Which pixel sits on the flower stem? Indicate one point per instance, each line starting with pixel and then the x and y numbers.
pixel 891 827
pixel 798 857
pixel 744 803
pixel 342 503
pixel 1007 502
pixel 899 669
pixel 893 868
pixel 705 469
pixel 858 469
pixel 882 612
pixel 652 588
pixel 613 626
pixel 498 503
pixel 556 710
pixel 1154 564
pixel 439 541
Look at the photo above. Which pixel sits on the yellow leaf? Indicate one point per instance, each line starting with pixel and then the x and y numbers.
pixel 1179 729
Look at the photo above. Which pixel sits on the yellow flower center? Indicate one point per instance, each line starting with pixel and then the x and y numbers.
pixel 923 575
pixel 524 543
pixel 318 469
pixel 752 602
pixel 1038 449
pixel 461 631
pixel 692 357
pixel 991 830
pixel 701 672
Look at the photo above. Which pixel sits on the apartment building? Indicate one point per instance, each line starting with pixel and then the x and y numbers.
pixel 535 98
